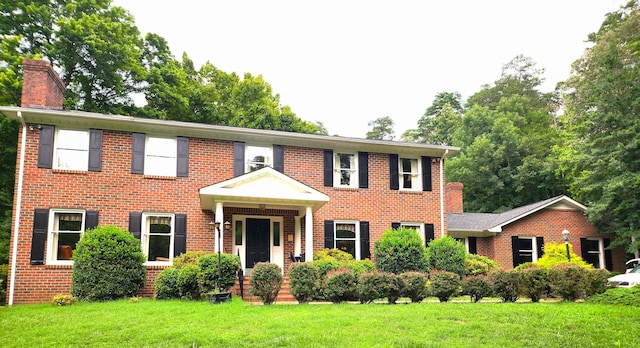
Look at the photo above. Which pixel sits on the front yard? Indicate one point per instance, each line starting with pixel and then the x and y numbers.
pixel 149 323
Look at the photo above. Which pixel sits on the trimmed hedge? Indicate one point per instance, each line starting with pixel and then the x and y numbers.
pixel 340 285
pixel 568 281
pixel 444 285
pixel 166 284
pixel 208 276
pixel 415 286
pixel 506 284
pixel 535 281
pixel 332 259
pixel 399 251
pixel 304 280
pixel 446 254
pixel 477 287
pixel 266 280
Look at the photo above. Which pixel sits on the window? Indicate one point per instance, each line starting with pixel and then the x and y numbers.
pixel 65 229
pixel 464 241
pixel 258 157
pixel 345 173
pixel 276 233
pixel 526 249
pixel 409 174
pixel 71 149
pixel 238 233
pixel 593 252
pixel 157 237
pixel 345 238
pixel 160 156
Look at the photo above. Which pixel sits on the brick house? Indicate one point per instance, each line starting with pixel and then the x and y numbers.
pixel 517 236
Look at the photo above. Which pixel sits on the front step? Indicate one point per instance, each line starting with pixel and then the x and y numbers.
pixel 284 295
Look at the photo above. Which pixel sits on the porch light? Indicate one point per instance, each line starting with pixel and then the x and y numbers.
pixel 227 225
pixel 565 236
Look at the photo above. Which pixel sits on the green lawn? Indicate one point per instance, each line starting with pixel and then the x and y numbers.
pixel 151 323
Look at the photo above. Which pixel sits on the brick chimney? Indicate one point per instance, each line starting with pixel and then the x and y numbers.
pixel 453 197
pixel 41 85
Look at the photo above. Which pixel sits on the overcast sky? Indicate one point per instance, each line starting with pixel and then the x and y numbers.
pixel 346 63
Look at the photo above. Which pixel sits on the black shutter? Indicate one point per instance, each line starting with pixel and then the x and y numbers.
pixel 180 235
pixel 394 181
pixel 365 252
pixel 426 173
pixel 39 236
pixel 608 258
pixel 328 234
pixel 137 153
pixel 278 158
pixel 182 165
pixel 429 234
pixel 91 220
pixel 473 245
pixel 584 248
pixel 238 158
pixel 95 150
pixel 135 224
pixel 540 244
pixel 45 147
pixel 328 168
pixel 395 225
pixel 515 250
pixel 363 169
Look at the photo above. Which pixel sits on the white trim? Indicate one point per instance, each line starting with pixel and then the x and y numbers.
pixel 252 148
pixel 416 180
pixel 52 235
pixel 356 223
pixel 419 229
pixel 16 230
pixel 84 163
pixel 144 238
pixel 168 152
pixel 442 226
pixel 601 258
pixel 337 171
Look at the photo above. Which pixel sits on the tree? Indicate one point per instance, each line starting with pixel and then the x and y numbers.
pixel 382 129
pixel 439 121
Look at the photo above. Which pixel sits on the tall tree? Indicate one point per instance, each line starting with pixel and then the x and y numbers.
pixel 382 129
pixel 439 121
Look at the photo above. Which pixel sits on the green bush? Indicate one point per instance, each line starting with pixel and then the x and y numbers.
pixel 331 259
pixel 393 286
pixel 535 281
pixel 415 286
pixel 506 284
pixel 165 285
pixel 340 285
pixel 208 275
pixel 568 281
pixel 304 281
pixel 399 251
pixel 618 296
pixel 444 285
pixel 598 281
pixel 477 287
pixel 187 282
pixel 4 269
pixel 370 287
pixel 479 265
pixel 108 265
pixel 446 254
pixel 63 300
pixel 266 280
pixel 556 254
pixel 189 258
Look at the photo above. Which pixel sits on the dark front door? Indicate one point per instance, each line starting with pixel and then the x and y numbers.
pixel 257 241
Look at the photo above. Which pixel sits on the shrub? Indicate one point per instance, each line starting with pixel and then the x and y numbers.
pixel 331 259
pixel 370 287
pixel 63 300
pixel 446 254
pixel 166 284
pixel 506 284
pixel 534 282
pixel 340 285
pixel 477 264
pixel 187 282
pixel 415 286
pixel 4 269
pixel 444 285
pixel 477 287
pixel 568 281
pixel 392 286
pixel 108 264
pixel 189 258
pixel 304 281
pixel 399 251
pixel 266 280
pixel 598 281
pixel 208 275
pixel 556 254
pixel 618 296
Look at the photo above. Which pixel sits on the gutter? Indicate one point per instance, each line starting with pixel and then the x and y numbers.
pixel 16 229
pixel 442 193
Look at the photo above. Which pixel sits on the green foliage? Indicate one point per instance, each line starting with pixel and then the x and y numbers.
pixel 415 286
pixel 4 269
pixel 304 280
pixel 187 282
pixel 477 287
pixel 266 280
pixel 108 265
pixel 439 121
pixel 446 254
pixel 444 285
pixel 382 129
pixel 370 287
pixel 475 264
pixel 340 285
pixel 535 281
pixel 165 285
pixel 208 276
pixel 332 259
pixel 506 284
pixel 556 254
pixel 598 281
pixel 63 300
pixel 393 286
pixel 399 251
pixel 618 296
pixel 570 282
pixel 189 258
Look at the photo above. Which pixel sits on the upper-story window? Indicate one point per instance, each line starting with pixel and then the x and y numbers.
pixel 345 170
pixel 160 156
pixel 409 174
pixel 258 157
pixel 71 149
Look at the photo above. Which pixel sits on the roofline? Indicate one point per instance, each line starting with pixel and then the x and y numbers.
pixel 498 228
pixel 81 119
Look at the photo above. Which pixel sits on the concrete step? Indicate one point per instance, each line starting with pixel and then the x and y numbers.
pixel 284 295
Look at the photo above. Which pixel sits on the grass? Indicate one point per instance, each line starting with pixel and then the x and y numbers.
pixel 149 323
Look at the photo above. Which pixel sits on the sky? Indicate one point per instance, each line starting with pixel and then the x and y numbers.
pixel 346 63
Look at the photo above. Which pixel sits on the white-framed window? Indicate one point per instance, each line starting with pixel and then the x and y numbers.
pixel 594 253
pixel 416 226
pixel 258 157
pixel 345 170
pixel 160 156
pixel 527 249
pixel 157 237
pixel 346 237
pixel 464 241
pixel 409 172
pixel 71 149
pixel 66 227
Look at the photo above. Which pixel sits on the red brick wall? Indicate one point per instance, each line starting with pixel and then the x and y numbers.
pixel 42 87
pixel 453 197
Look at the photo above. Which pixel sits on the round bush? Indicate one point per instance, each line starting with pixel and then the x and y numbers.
pixel 556 254
pixel 598 281
pixel 370 287
pixel 266 280
pixel 166 284
pixel 535 281
pixel 304 281
pixel 399 251
pixel 340 285
pixel 415 286
pixel 477 287
pixel 189 258
pixel 568 281
pixel 393 286
pixel 444 285
pixel 446 254
pixel 187 282
pixel 108 265
pixel 477 264
pixel 331 259
pixel 208 275
pixel 506 284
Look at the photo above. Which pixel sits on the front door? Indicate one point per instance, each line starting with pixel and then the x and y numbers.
pixel 258 237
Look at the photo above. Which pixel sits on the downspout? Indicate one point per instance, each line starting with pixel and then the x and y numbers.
pixel 16 229
pixel 442 193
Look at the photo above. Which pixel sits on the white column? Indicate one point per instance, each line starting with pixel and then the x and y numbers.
pixel 219 218
pixel 297 238
pixel 308 228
